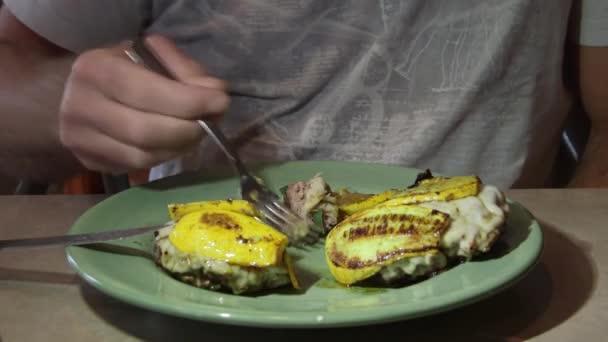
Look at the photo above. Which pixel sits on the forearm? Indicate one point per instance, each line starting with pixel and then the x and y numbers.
pixel 592 72
pixel 30 95
pixel 593 168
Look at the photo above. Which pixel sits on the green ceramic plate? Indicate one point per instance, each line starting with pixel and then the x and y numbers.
pixel 125 272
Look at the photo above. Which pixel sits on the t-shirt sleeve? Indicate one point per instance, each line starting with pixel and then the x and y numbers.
pixel 80 25
pixel 593 23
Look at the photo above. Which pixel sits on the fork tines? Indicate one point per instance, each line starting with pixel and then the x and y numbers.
pixel 297 229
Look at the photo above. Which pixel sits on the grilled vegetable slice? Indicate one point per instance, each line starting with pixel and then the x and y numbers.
pixel 426 189
pixel 438 189
pixel 232 237
pixel 364 243
pixel 350 203
pixel 179 210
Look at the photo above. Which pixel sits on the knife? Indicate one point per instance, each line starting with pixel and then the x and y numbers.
pixel 78 239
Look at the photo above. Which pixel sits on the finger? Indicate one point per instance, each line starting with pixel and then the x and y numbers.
pixel 181 66
pixel 145 130
pixel 102 153
pixel 208 82
pixel 134 86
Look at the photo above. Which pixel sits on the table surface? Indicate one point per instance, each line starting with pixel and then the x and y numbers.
pixel 564 298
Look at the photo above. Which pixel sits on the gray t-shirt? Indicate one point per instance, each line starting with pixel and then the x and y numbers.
pixel 460 87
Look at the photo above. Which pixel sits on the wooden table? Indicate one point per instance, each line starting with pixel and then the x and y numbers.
pixel 565 298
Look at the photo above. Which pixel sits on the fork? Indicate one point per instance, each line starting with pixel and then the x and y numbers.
pixel 298 230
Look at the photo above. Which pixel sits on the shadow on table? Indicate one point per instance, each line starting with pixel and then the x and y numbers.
pixel 567 274
pixel 553 291
pixel 560 284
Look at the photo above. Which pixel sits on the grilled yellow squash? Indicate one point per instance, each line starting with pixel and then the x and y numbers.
pixel 229 236
pixel 438 189
pixel 350 203
pixel 365 242
pixel 179 210
pixel 427 190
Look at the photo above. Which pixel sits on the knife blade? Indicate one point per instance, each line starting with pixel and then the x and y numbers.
pixel 78 239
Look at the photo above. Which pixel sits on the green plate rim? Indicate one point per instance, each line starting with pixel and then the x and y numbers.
pixel 278 319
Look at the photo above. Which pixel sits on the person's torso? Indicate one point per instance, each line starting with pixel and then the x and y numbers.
pixel 455 86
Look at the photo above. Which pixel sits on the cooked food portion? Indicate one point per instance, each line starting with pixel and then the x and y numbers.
pixel 395 236
pixel 313 200
pixel 395 241
pixel 477 211
pixel 219 247
pixel 405 233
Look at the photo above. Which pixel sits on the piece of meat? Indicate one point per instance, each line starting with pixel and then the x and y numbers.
pixel 312 197
pixel 303 196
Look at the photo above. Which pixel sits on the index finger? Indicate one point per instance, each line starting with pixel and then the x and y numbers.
pixel 182 67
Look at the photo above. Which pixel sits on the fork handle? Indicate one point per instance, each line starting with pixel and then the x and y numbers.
pixel 224 145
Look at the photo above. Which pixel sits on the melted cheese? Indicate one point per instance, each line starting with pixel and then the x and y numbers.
pixel 475 221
